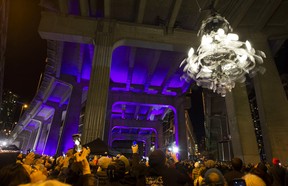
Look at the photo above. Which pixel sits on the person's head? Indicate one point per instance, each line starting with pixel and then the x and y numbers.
pixel 237 163
pixel 13 175
pixel 157 158
pixel 104 162
pixel 116 170
pixel 214 177
pixel 196 164
pixel 253 180
pixel 210 164
pixel 46 183
pixel 125 161
pixel 70 153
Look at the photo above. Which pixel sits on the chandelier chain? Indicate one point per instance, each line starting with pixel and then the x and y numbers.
pixel 198 5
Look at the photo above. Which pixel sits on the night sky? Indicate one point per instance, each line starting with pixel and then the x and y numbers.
pixel 25 50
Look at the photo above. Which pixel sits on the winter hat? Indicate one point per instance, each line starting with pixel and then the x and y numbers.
pixel 156 158
pixel 104 161
pixel 275 161
pixel 214 176
pixel 126 162
pixel 253 180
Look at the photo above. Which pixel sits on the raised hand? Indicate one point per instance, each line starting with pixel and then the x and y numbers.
pixel 29 159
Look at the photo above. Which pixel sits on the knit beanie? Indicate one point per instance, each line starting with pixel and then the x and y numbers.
pixel 275 161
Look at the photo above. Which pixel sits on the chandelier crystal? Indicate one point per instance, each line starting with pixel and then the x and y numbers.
pixel 221 60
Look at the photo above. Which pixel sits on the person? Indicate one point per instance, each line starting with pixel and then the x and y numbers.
pixel 101 174
pixel 214 177
pixel 236 172
pixel 13 175
pixel 47 183
pixel 278 173
pixel 76 169
pixel 158 173
pixel 258 176
pixel 196 174
pixel 253 180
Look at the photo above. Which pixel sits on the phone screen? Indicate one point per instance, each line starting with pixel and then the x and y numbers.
pixel 239 182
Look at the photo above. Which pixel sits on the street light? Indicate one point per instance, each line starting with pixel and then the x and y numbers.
pixel 24 106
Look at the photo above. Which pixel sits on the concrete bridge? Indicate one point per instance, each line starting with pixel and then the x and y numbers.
pixel 113 73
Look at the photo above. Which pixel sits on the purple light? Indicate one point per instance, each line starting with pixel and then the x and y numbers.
pixel 87 61
pixel 120 64
pixel 169 93
pixel 70 61
pixel 118 89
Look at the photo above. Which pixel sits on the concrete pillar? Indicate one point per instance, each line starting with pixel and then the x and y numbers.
pixel 72 119
pixel 42 138
pixel 272 105
pixel 32 139
pixel 147 146
pixel 52 140
pixel 242 133
pixel 180 127
pixel 25 134
pixel 95 112
pixel 38 131
pixel 159 136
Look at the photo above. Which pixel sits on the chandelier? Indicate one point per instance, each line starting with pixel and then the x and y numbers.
pixel 221 60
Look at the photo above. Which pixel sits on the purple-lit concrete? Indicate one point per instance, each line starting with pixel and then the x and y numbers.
pixel 142 67
pixel 71 124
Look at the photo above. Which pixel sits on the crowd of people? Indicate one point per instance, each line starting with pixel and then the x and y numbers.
pixel 161 168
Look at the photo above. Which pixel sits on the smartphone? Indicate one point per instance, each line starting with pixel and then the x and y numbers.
pixel 239 182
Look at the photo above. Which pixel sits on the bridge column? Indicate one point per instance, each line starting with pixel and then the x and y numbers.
pixel 39 130
pixel 53 129
pixel 32 138
pixel 272 105
pixel 95 112
pixel 180 127
pixel 242 133
pixel 42 137
pixel 25 134
pixel 72 119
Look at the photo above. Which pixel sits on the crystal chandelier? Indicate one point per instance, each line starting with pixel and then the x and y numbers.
pixel 221 60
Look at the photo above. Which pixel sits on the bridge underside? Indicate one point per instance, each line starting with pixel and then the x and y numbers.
pixel 113 73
